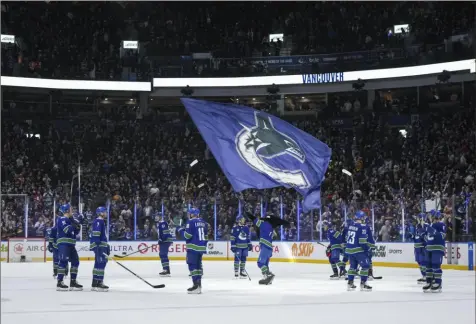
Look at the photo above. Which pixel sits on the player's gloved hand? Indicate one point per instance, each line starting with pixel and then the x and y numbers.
pixel 108 250
pixel 249 216
pixel 50 247
pixel 160 240
pixel 233 249
pixel 250 247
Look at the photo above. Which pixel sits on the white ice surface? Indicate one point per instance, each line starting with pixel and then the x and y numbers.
pixel 301 293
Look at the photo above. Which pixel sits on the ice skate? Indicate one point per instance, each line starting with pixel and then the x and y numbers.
pixel 60 286
pixel 165 273
pixel 101 287
pixel 75 286
pixel 94 285
pixel 335 276
pixel 435 288
pixel 421 281
pixel 365 287
pixel 196 289
pixel 237 275
pixel 426 287
pixel 351 286
pixel 343 274
pixel 267 280
pixel 243 275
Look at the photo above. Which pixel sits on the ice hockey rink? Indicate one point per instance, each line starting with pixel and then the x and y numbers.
pixel 300 293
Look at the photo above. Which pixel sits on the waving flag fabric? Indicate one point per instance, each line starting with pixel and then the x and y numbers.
pixel 258 150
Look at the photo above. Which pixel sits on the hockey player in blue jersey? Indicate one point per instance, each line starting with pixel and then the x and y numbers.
pixel 335 250
pixel 100 246
pixel 357 250
pixel 266 227
pixel 67 229
pixel 419 247
pixel 345 256
pixel 435 249
pixel 240 245
pixel 53 248
pixel 195 234
pixel 165 240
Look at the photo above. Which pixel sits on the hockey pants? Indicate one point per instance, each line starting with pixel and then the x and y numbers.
pixel 240 259
pixel 164 255
pixel 433 270
pixel 335 261
pixel 100 261
pixel 355 260
pixel 194 262
pixel 55 259
pixel 67 253
pixel 263 260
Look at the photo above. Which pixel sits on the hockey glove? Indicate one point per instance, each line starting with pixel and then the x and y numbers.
pixel 50 247
pixel 328 251
pixel 108 250
pixel 233 249
pixel 249 216
pixel 250 247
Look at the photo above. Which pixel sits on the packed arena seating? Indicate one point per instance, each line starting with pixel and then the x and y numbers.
pixel 83 39
pixel 140 165
pixel 140 162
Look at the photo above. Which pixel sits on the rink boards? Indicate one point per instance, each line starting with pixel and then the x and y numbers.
pixel 462 255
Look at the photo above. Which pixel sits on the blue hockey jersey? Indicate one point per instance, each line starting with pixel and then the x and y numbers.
pixel 164 232
pixel 195 234
pixel 357 235
pixel 98 234
pixel 52 233
pixel 67 230
pixel 418 238
pixel 240 237
pixel 265 233
pixel 335 238
pixel 435 237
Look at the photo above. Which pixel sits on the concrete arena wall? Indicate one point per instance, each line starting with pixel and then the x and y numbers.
pixel 386 254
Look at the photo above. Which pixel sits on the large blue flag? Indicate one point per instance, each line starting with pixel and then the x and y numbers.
pixel 258 150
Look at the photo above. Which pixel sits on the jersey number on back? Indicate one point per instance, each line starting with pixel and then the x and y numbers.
pixel 201 234
pixel 351 237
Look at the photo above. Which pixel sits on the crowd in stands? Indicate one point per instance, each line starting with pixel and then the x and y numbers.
pixel 140 167
pixel 84 39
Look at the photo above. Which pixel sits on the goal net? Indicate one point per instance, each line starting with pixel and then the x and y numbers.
pixel 22 249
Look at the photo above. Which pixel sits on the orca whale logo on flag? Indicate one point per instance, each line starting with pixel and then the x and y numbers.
pixel 258 150
pixel 261 143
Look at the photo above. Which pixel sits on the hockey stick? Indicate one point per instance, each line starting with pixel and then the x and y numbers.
pixel 322 244
pixel 136 275
pixel 245 271
pixel 125 256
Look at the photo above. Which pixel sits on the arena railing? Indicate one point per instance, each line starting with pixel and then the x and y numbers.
pixel 129 220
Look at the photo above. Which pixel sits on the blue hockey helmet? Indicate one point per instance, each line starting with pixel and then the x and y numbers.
pixel 101 210
pixel 437 214
pixel 65 208
pixel 359 215
pixel 194 211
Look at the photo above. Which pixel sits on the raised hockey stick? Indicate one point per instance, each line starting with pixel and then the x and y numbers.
pixel 136 275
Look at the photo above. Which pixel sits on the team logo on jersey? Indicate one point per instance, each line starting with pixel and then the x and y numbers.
pixel 271 152
pixel 242 236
